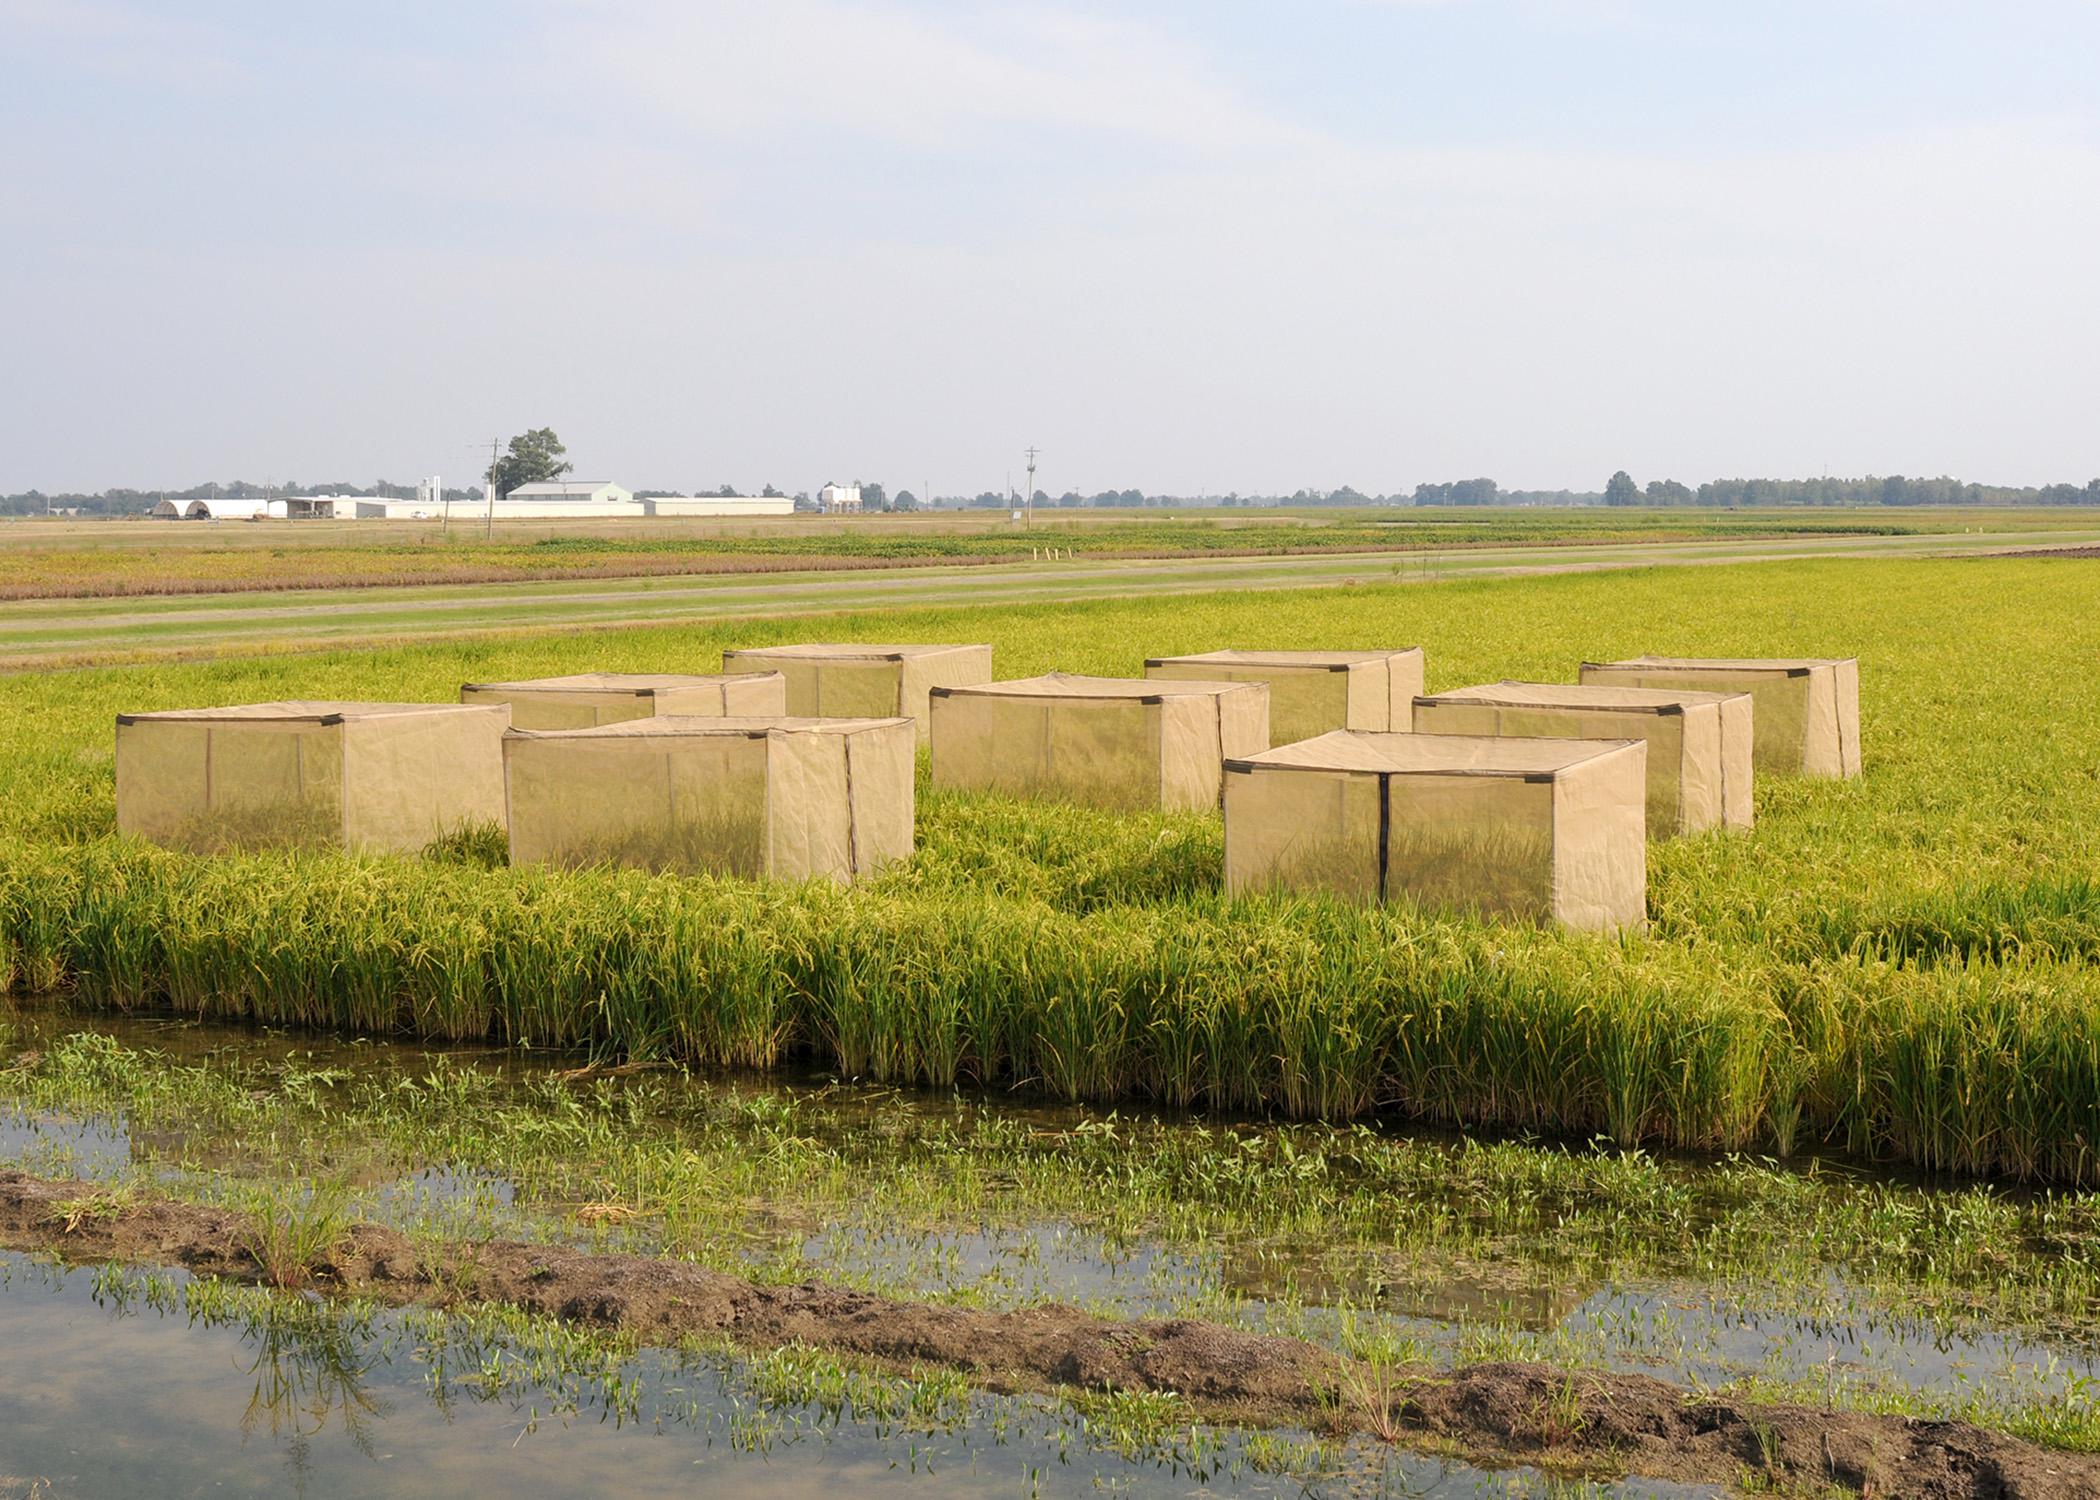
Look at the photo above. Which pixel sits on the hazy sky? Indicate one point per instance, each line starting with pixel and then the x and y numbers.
pixel 1185 246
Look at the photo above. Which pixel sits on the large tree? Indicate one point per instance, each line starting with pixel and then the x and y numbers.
pixel 534 458
pixel 1622 490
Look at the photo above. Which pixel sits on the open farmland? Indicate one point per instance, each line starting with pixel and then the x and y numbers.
pixel 60 559
pixel 616 584
pixel 1680 1132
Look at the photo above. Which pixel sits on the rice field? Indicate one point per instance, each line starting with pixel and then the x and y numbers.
pixel 1898 968
pixel 1815 1142
pixel 1428 1252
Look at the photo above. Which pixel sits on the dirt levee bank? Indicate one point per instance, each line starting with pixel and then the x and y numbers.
pixel 1531 1413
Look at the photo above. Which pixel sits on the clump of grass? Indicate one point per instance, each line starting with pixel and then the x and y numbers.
pixel 101 1206
pixel 290 1232
pixel 1374 1378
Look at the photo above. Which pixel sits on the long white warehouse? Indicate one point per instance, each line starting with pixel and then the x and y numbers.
pixel 562 500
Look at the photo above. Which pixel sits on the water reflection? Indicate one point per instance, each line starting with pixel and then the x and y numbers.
pixel 53 1145
pixel 1828 1333
pixel 123 1385
pixel 311 1368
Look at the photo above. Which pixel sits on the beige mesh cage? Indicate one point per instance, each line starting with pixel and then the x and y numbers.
pixel 1311 692
pixel 1806 714
pixel 1107 741
pixel 865 681
pixel 780 796
pixel 1699 758
pixel 366 776
pixel 1542 829
pixel 588 699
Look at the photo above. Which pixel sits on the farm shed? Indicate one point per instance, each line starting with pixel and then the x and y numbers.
pixel 1311 692
pixel 865 680
pixel 568 491
pixel 588 699
pixel 718 505
pixel 1806 716
pixel 1698 743
pixel 770 795
pixel 1109 741
pixel 1546 829
pixel 367 776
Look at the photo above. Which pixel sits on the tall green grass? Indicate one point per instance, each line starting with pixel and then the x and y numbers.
pixel 1899 966
pixel 1304 1008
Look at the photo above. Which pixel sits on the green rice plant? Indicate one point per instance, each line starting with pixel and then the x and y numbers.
pixel 484 846
pixel 1374 1379
pixel 1898 966
pixel 730 843
pixel 289 823
pixel 1486 871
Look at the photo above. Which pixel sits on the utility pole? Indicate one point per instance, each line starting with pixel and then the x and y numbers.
pixel 488 527
pixel 1030 511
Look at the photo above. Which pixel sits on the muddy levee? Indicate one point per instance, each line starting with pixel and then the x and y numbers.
pixel 1533 1413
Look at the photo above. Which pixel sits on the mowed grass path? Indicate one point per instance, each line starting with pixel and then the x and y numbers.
pixel 235 623
pixel 1900 966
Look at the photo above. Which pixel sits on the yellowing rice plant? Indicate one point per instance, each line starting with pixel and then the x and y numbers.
pixel 1900 967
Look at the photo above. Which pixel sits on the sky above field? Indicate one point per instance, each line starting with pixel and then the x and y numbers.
pixel 1200 246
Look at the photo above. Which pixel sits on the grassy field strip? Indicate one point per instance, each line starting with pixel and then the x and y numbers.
pixel 144 609
pixel 130 626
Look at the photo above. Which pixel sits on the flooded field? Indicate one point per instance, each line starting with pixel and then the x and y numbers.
pixel 144 1388
pixel 1811 1283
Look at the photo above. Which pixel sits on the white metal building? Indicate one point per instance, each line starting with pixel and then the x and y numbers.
pixel 224 508
pixel 598 491
pixel 839 499
pixel 319 507
pixel 280 508
pixel 719 505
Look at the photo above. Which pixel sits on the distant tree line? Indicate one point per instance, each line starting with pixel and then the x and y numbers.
pixel 1891 489
pixel 1465 492
pixel 1621 489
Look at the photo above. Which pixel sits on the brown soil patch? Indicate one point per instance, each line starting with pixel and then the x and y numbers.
pixel 1595 1422
pixel 2087 552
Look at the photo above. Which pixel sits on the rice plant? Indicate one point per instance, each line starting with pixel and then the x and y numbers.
pixel 1901 966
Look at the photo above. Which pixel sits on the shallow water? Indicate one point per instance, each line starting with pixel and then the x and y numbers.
pixel 59 1146
pixel 105 1395
pixel 1826 1335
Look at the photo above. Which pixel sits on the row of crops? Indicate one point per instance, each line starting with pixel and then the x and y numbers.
pixel 1898 966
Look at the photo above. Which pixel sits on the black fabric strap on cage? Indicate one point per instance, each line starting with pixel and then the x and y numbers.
pixel 1385 830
